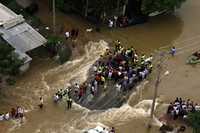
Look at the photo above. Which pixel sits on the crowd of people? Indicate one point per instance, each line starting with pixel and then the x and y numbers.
pixel 17 113
pixel 122 66
pixel 116 21
pixel 180 108
pixel 64 93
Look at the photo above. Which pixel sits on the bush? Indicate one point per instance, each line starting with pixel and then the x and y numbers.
pixel 6 2
pixel 33 8
pixel 27 13
pixel 10 81
pixel 56 46
pixel 14 7
pixel 194 121
pixel 35 21
pixel 9 61
pixel 53 44
pixel 64 55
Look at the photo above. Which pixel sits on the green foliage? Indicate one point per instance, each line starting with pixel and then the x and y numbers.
pixel 56 46
pixel 194 120
pixel 14 6
pixel 10 81
pixel 60 4
pixel 109 7
pixel 5 2
pixel 64 55
pixel 54 43
pixel 149 6
pixel 31 19
pixel 9 61
pixel 96 7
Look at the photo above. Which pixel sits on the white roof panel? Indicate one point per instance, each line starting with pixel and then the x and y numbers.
pixel 23 37
pixel 17 33
pixel 6 14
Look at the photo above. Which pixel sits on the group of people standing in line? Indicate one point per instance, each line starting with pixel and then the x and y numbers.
pixel 64 94
pixel 14 113
pixel 181 108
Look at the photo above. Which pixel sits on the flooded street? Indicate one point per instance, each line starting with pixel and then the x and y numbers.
pixel 45 77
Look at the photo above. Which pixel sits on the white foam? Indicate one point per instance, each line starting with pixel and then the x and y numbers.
pixel 124 113
pixel 77 70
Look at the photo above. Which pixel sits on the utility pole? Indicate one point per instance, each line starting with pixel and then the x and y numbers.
pixel 118 7
pixel 86 8
pixel 158 79
pixel 54 17
pixel 124 7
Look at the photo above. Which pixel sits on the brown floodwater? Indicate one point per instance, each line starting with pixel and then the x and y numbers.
pixel 45 77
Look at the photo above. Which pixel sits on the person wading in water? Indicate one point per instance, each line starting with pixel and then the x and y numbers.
pixel 69 102
pixel 41 103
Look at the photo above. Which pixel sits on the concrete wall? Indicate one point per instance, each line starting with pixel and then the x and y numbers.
pixel 24 67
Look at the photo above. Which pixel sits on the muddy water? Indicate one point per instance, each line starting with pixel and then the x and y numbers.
pixel 45 77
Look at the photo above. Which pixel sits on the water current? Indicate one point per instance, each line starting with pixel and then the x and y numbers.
pixel 45 77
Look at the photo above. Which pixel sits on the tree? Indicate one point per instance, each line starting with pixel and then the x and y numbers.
pixel 56 47
pixel 9 61
pixel 150 6
pixel 103 8
pixel 194 121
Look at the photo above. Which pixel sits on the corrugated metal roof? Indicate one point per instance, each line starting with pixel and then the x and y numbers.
pixel 19 35
pixel 6 14
pixel 23 37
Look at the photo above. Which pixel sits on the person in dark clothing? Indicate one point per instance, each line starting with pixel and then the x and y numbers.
pixel 170 108
pixel 73 33
pixel 41 103
pixel 177 100
pixel 76 33
pixel 70 103
pixel 13 113
pixel 112 130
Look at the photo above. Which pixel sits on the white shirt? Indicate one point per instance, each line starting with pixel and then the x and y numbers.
pixel 149 59
pixel 118 87
pixel 110 74
pixel 7 116
pixel 197 107
pixel 56 97
pixel 110 23
pixel 77 87
pixel 20 110
pixel 119 73
pixel 1 117
pixel 67 34
pixel 41 101
pixel 94 68
pixel 142 74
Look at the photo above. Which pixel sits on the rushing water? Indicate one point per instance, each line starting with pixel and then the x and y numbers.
pixel 44 78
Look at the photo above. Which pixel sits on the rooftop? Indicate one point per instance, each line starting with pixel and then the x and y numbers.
pixel 6 14
pixel 17 32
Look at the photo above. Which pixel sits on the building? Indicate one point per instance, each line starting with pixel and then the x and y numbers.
pixel 20 35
